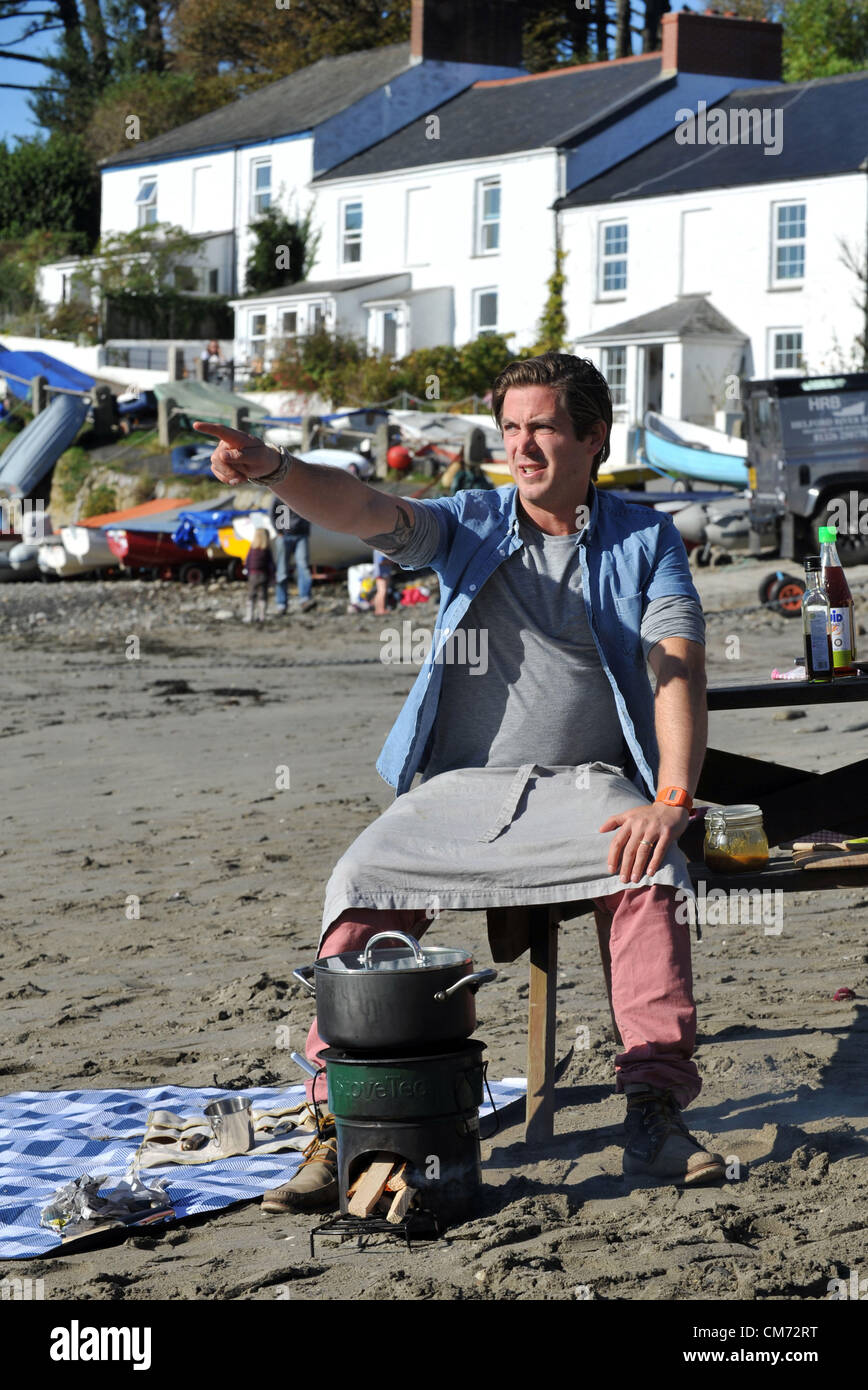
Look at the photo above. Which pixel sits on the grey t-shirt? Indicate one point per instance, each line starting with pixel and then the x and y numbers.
pixel 522 679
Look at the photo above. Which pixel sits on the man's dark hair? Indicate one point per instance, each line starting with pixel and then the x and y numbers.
pixel 583 390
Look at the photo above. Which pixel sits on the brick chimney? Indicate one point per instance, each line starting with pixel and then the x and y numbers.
pixel 467 31
pixel 723 46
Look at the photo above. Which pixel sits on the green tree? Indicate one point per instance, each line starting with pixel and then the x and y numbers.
pixel 822 38
pixel 283 252
pixel 552 327
pixel 556 35
pixel 241 47
pixel 158 101
pixel 143 261
pixel 481 360
pixel 19 265
pixel 48 185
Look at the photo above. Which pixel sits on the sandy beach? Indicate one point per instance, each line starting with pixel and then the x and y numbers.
pixel 156 776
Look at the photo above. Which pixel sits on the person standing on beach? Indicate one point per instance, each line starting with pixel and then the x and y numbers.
pixel 293 545
pixel 260 571
pixel 550 771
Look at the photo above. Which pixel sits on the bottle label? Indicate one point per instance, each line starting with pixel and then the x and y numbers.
pixel 842 640
pixel 817 637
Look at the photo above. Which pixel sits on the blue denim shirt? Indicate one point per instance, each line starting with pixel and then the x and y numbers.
pixel 629 555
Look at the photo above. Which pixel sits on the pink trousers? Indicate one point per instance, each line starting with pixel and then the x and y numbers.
pixel 651 991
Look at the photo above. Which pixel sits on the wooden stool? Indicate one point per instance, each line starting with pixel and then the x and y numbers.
pixel 511 932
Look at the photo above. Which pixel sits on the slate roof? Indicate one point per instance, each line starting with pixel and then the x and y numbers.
pixel 323 286
pixel 287 107
pixel 825 131
pixel 509 115
pixel 691 317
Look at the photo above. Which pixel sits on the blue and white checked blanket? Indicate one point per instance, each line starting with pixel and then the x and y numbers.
pixel 48 1138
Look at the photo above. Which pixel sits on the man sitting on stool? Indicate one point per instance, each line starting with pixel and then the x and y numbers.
pixel 550 772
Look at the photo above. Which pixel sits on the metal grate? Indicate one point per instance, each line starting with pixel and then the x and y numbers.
pixel 418 1224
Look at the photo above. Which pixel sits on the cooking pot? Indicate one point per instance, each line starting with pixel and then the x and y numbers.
pixel 396 998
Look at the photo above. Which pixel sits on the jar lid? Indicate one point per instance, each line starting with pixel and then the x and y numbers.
pixel 740 815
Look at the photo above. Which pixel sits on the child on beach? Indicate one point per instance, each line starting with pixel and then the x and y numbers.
pixel 260 571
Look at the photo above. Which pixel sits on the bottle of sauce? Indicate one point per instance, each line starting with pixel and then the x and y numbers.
pixel 841 611
pixel 817 623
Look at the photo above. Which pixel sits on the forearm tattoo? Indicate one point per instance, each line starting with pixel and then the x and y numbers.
pixel 389 541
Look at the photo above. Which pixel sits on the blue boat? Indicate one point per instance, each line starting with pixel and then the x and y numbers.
pixel 684 450
pixel 34 452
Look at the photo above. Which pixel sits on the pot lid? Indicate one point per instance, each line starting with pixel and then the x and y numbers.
pixel 396 958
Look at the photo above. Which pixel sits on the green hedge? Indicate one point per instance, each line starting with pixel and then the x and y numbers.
pixel 168 315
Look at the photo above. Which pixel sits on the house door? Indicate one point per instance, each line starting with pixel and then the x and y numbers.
pixel 654 377
pixel 390 332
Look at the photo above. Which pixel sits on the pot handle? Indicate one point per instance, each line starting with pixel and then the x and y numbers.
pixel 410 941
pixel 303 975
pixel 479 977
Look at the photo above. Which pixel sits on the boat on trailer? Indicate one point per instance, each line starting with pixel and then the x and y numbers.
pixel 703 455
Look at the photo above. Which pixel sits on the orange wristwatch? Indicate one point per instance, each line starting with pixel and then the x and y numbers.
pixel 675 796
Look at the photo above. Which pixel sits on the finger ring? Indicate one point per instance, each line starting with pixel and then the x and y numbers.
pixel 649 843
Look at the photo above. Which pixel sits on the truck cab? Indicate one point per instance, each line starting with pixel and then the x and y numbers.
pixel 808 463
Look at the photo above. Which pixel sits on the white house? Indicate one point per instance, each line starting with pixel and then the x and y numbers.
pixel 216 174
pixel 718 250
pixel 460 202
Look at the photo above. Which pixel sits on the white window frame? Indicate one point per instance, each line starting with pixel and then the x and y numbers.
pixel 146 207
pixel 774 335
pixel 478 329
pixel 606 258
pixel 257 206
pixel 285 333
pixel 316 307
pixel 788 281
pixel 254 338
pixel 616 374
pixel 482 222
pixel 351 237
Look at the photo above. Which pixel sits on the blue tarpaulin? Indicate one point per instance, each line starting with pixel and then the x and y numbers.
pixel 201 528
pixel 27 365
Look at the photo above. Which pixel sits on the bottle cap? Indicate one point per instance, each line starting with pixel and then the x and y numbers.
pixel 813 563
pixel 827 535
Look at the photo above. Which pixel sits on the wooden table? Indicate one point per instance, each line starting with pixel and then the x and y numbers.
pixel 793 801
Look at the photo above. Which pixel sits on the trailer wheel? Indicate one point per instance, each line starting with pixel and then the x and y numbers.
pixel 783 592
pixel 192 573
pixel 764 592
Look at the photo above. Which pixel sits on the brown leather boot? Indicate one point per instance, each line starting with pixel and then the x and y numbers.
pixel 315 1185
pixel 658 1143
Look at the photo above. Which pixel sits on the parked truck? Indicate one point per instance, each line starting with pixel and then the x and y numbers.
pixel 808 464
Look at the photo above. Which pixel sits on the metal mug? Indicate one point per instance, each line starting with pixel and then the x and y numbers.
pixel 231 1125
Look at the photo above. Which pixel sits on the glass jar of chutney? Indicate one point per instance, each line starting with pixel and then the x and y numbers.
pixel 735 841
